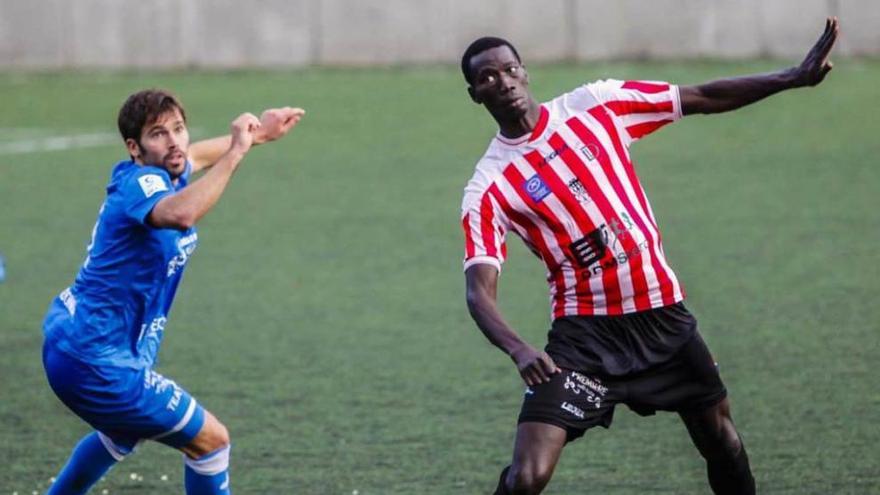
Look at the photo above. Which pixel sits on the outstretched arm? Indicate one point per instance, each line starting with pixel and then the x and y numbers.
pixel 274 123
pixel 183 209
pixel 724 95
pixel 482 282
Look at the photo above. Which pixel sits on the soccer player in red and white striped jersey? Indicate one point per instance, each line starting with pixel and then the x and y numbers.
pixel 560 176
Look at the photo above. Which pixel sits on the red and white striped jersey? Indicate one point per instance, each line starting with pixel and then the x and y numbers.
pixel 570 191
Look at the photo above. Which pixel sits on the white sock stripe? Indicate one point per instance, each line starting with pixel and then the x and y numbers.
pixel 190 410
pixel 111 447
pixel 212 464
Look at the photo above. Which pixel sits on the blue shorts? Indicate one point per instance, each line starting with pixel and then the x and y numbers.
pixel 126 405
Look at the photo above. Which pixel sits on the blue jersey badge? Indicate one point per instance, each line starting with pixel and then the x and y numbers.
pixel 536 188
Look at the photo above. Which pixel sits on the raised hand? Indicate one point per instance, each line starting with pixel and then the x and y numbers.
pixel 816 64
pixel 276 122
pixel 534 367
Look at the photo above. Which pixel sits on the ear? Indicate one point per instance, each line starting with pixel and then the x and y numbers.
pixel 133 148
pixel 525 75
pixel 473 95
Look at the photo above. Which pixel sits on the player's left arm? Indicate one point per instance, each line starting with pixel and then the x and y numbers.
pixel 724 95
pixel 274 123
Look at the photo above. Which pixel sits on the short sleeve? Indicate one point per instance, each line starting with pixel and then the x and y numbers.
pixel 141 190
pixel 641 107
pixel 485 229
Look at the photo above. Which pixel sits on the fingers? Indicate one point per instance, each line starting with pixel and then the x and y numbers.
pixel 828 38
pixel 540 370
pixel 247 121
pixel 277 122
pixel 534 375
pixel 548 365
pixel 827 68
pixel 283 114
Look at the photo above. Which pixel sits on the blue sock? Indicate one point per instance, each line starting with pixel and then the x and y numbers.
pixel 89 461
pixel 208 475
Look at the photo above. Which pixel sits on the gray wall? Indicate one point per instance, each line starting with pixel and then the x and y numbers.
pixel 271 33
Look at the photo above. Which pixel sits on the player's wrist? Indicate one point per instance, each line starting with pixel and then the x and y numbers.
pixel 794 77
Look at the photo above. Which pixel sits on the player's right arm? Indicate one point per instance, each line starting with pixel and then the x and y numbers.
pixel 482 283
pixel 183 209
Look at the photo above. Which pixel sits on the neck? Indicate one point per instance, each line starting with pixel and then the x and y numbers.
pixel 521 124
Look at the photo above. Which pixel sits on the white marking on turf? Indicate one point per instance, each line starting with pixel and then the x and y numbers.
pixel 15 141
pixel 58 143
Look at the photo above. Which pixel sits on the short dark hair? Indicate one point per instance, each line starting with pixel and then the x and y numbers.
pixel 143 108
pixel 480 46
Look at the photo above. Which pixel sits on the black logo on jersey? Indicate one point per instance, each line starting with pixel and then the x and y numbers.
pixel 578 190
pixel 591 247
pixel 552 155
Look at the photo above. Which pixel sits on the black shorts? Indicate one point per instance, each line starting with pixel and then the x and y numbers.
pixel 579 399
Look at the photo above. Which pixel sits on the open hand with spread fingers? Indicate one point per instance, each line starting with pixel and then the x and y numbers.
pixel 816 64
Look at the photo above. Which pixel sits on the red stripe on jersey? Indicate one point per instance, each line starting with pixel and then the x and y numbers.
pixel 666 286
pixel 604 119
pixel 469 249
pixel 517 181
pixel 486 226
pixel 645 87
pixel 588 180
pixel 537 240
pixel 543 118
pixel 638 130
pixel 583 292
pixel 624 107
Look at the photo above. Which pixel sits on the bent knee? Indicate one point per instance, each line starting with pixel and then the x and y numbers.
pixel 528 480
pixel 212 437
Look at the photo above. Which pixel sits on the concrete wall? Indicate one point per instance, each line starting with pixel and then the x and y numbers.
pixel 272 33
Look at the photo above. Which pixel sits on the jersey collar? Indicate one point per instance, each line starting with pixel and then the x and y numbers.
pixel 536 133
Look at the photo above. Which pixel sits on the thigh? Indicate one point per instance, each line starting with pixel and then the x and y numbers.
pixel 572 401
pixel 537 448
pixel 125 404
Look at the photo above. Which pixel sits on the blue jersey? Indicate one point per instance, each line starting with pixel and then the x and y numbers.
pixel 115 311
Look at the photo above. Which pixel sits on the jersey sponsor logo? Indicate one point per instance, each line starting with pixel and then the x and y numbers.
pixel 592 250
pixel 68 300
pixel 536 188
pixel 591 151
pixel 185 248
pixel 572 409
pixel 151 184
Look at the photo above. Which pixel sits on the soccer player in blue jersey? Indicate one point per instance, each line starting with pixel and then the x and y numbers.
pixel 102 334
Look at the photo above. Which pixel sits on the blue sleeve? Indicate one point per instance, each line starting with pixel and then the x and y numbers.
pixel 141 190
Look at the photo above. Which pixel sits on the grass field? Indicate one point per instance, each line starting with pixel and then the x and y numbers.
pixel 323 318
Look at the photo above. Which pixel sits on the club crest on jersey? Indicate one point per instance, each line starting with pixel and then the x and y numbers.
pixel 151 184
pixel 591 151
pixel 579 191
pixel 536 188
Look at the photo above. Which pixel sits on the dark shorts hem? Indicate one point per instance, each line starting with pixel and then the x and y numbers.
pixel 571 432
